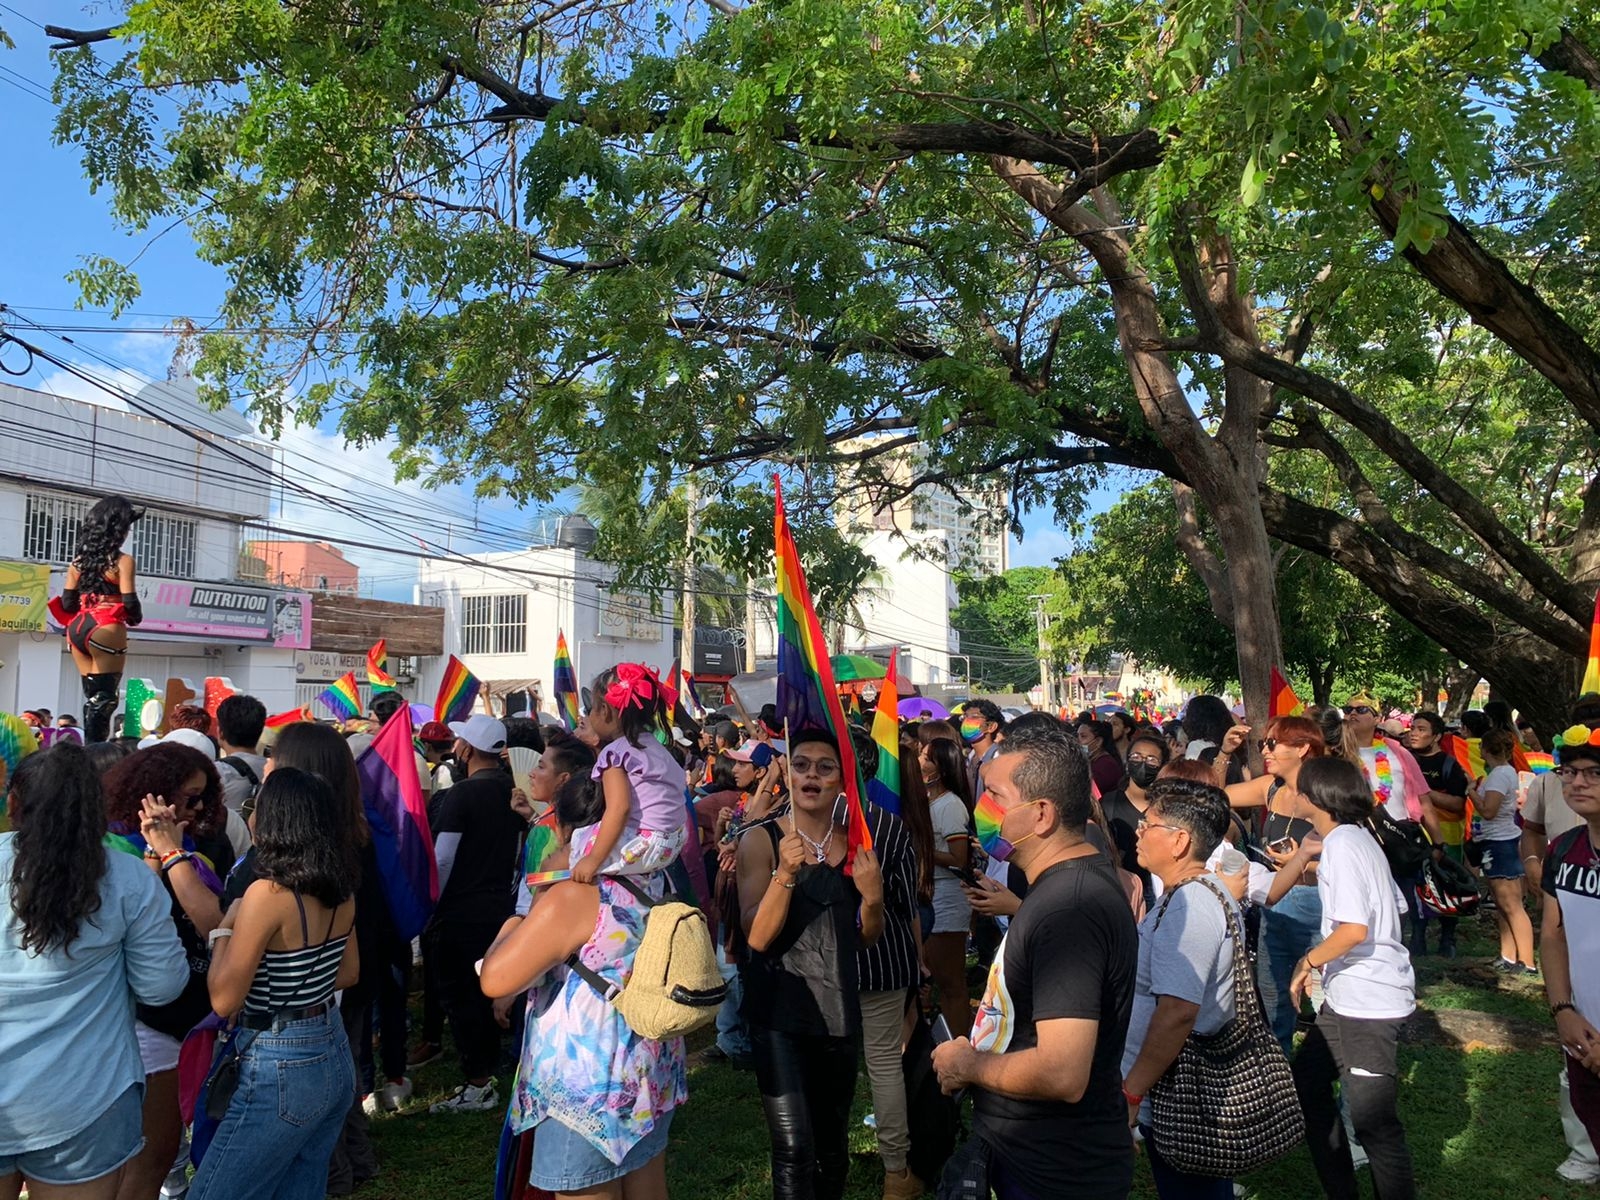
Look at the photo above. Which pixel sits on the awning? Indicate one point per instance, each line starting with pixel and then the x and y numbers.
pixel 496 688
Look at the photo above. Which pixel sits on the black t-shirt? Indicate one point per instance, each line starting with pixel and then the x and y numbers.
pixel 1122 827
pixel 478 809
pixel 1071 952
pixel 1443 773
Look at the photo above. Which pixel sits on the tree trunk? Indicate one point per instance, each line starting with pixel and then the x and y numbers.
pixel 1459 684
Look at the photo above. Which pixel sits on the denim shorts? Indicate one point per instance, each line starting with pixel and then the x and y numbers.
pixel 1503 860
pixel 111 1139
pixel 564 1161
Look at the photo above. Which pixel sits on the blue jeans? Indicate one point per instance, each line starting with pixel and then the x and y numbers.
pixel 1173 1184
pixel 733 1039
pixel 1288 929
pixel 295 1085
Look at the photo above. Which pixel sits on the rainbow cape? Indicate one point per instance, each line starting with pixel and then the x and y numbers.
pixel 808 697
pixel 342 697
pixel 1282 701
pixel 884 788
pixel 378 676
pixel 1591 672
pixel 458 692
pixel 564 684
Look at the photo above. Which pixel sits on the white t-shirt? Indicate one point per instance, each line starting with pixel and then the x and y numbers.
pixel 1396 804
pixel 949 817
pixel 1373 980
pixel 1503 825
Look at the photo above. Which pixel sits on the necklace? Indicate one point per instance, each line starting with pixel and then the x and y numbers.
pixel 820 849
pixel 1383 770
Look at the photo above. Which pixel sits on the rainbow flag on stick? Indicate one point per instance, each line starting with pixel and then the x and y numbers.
pixel 884 788
pixel 293 717
pixel 378 677
pixel 391 795
pixel 458 692
pixel 565 684
pixel 807 694
pixel 1282 701
pixel 342 697
pixel 1591 673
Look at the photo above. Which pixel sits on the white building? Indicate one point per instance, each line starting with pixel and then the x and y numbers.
pixel 199 489
pixel 503 611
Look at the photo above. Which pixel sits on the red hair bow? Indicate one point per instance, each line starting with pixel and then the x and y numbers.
pixel 638 685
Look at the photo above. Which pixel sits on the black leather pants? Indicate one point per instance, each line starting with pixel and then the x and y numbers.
pixel 807 1084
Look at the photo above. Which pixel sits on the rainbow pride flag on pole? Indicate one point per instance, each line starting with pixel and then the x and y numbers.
pixel 458 692
pixel 1591 673
pixel 1282 701
pixel 564 684
pixel 378 677
pixel 391 795
pixel 884 789
pixel 342 697
pixel 807 694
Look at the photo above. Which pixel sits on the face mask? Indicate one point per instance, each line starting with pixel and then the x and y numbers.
pixel 990 819
pixel 971 728
pixel 1143 774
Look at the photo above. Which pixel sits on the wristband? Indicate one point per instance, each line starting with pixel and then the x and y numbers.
pixel 1565 1006
pixel 172 856
pixel 1131 1098
pixel 211 938
pixel 781 883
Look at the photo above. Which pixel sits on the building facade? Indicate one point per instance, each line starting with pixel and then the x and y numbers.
pixel 314 566
pixel 201 484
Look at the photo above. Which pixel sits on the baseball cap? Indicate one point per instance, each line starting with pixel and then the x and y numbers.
pixel 481 732
pixel 435 731
pixel 758 753
pixel 195 740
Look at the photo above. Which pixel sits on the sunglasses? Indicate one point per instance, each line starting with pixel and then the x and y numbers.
pixel 1273 743
pixel 1361 710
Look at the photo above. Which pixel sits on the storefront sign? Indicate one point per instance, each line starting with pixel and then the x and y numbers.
pixel 226 611
pixel 24 595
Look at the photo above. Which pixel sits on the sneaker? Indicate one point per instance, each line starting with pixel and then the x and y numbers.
pixel 467 1098
pixel 902 1185
pixel 369 1104
pixel 870 1120
pixel 714 1053
pixel 176 1184
pixel 394 1094
pixel 1506 967
pixel 425 1053
pixel 1578 1169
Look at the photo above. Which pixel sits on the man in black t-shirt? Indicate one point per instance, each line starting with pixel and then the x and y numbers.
pixel 476 842
pixel 1044 1060
pixel 1447 797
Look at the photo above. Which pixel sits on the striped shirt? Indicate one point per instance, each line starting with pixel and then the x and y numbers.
pixel 890 964
pixel 295 979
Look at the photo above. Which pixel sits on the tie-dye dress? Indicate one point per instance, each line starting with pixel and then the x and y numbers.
pixel 581 1064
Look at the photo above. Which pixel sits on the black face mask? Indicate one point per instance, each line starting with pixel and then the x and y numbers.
pixel 1143 774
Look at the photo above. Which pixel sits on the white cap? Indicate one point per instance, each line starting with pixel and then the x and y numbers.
pixel 481 732
pixel 193 739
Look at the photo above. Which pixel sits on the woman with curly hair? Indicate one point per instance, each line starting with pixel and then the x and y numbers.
pixel 99 595
pixel 276 960
pixel 86 936
pixel 159 803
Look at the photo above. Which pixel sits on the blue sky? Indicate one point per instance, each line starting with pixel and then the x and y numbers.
pixel 49 220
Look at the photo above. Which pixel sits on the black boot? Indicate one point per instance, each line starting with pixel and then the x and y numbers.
pixel 99 703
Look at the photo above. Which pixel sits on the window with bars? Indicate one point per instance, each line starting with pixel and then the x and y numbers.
pixel 494 624
pixel 161 543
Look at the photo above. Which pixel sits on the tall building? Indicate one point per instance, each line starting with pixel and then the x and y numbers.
pixel 977 520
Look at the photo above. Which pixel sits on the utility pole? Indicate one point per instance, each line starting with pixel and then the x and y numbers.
pixel 692 527
pixel 1046 684
pixel 750 598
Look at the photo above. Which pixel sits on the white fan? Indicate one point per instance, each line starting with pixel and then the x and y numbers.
pixel 523 759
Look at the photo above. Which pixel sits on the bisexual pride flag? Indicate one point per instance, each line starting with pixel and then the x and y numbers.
pixel 391 795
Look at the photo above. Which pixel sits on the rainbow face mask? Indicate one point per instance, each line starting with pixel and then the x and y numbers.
pixel 989 817
pixel 971 728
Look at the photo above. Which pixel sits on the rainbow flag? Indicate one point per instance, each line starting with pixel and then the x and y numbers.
pixel 884 788
pixel 543 837
pixel 293 717
pixel 696 709
pixel 1282 701
pixel 807 694
pixel 855 707
pixel 565 684
pixel 1539 761
pixel 1591 672
pixel 458 692
pixel 378 676
pixel 391 795
pixel 342 697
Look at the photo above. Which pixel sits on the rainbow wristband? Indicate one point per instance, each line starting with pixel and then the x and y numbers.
pixel 172 858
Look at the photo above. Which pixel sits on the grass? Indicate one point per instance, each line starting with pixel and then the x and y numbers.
pixel 1483 1125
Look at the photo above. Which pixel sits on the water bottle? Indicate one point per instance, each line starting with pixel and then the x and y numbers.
pixel 1232 862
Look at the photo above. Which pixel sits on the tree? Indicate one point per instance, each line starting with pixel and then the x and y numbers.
pixel 1058 243
pixel 999 629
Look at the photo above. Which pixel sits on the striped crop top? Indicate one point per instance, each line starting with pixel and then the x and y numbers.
pixel 293 979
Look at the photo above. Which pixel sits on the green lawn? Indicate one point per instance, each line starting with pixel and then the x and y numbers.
pixel 1483 1125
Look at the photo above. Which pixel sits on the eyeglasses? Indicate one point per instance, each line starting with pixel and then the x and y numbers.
pixel 1587 774
pixel 1144 824
pixel 813 766
pixel 1149 760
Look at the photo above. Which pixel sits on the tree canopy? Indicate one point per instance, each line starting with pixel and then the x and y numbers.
pixel 1324 266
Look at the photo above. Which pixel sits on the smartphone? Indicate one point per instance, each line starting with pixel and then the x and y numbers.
pixel 963 874
pixel 1283 845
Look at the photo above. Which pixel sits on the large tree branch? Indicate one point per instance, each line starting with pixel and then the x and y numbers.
pixel 1191 540
pixel 1571 57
